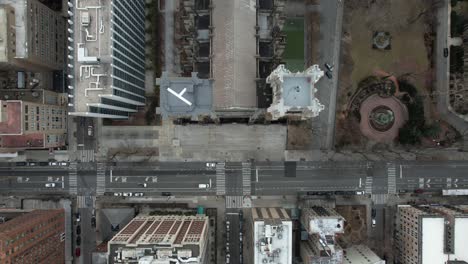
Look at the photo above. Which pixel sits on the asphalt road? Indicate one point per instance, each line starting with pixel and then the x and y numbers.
pixel 331 14
pixel 268 178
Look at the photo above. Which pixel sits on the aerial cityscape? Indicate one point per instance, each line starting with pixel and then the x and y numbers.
pixel 233 132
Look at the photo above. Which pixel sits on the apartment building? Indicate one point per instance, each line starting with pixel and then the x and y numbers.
pixel 32 36
pixel 38 120
pixel 34 237
pixel 432 234
pixel 164 239
pixel 107 79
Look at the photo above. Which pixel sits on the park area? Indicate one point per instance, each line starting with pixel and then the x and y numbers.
pixel 294 53
pixel 408 27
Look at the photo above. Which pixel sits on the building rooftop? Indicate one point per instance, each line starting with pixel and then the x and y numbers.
pixel 11 118
pixel 322 221
pixel 234 45
pixel 185 96
pixel 272 235
pixel 361 254
pixel 295 92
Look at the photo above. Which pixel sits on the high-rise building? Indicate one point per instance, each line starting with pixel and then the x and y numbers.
pixel 36 121
pixel 32 36
pixel 432 234
pixel 163 239
pixel 272 236
pixel 35 237
pixel 107 77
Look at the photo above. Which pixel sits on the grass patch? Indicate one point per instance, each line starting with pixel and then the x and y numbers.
pixel 294 52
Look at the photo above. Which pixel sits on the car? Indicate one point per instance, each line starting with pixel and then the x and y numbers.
pixel 50 185
pixel 419 191
pixel 90 131
pixel 78 240
pixel 329 67
pixel 117 194
pixel 77 252
pixel 53 163
pixel 63 163
pixel 203 186
pixel 127 194
pixel 78 217
pixel 166 194
pixel 139 194
pixel 144 185
pixel 78 229
pixel 373 222
pixel 115 227
pixel 446 52
pixel 32 163
pixel 329 74
pixel 93 221
pixel 21 164
pixel 227 246
pixel 373 213
pixel 360 193
pixel 42 163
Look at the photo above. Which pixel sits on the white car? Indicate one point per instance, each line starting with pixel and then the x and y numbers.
pixel 117 194
pixel 53 163
pixel 373 222
pixel 203 186
pixel 360 192
pixel 50 185
pixel 139 194
pixel 90 131
pixel 63 163
pixel 127 194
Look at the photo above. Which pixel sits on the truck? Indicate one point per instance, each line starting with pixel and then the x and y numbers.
pixel 450 192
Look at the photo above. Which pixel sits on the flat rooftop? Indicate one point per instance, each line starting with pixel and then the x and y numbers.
pixel 92 41
pixel 11 118
pixel 234 62
pixel 167 229
pixel 185 96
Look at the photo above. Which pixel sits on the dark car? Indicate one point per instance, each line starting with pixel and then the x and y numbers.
pixel 446 52
pixel 78 240
pixel 77 252
pixel 21 163
pixel 329 67
pixel 93 221
pixel 78 230
pixel 374 212
pixel 43 163
pixel 166 194
pixel 329 74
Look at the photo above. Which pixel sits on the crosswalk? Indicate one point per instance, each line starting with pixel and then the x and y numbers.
pixel 234 202
pixel 391 173
pixel 100 178
pixel 246 178
pixel 73 178
pixel 380 198
pixel 85 201
pixel 86 155
pixel 220 178
pixel 368 187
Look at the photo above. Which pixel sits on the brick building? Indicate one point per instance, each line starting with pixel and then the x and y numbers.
pixel 34 237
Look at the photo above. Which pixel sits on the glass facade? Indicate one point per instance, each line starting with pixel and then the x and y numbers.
pixel 128 53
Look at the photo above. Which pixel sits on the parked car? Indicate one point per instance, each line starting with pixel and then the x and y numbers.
pixel 210 165
pixel 78 217
pixel 446 52
pixel 127 194
pixel 63 163
pixel 53 163
pixel 373 222
pixel 329 67
pixel 117 194
pixel 139 194
pixel 50 185
pixel 373 213
pixel 32 163
pixel 78 230
pixel 90 131
pixel 329 74
pixel 93 221
pixel 78 240
pixel 166 194
pixel 203 186
pixel 21 164
pixel 77 252
pixel 43 163
pixel 360 193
